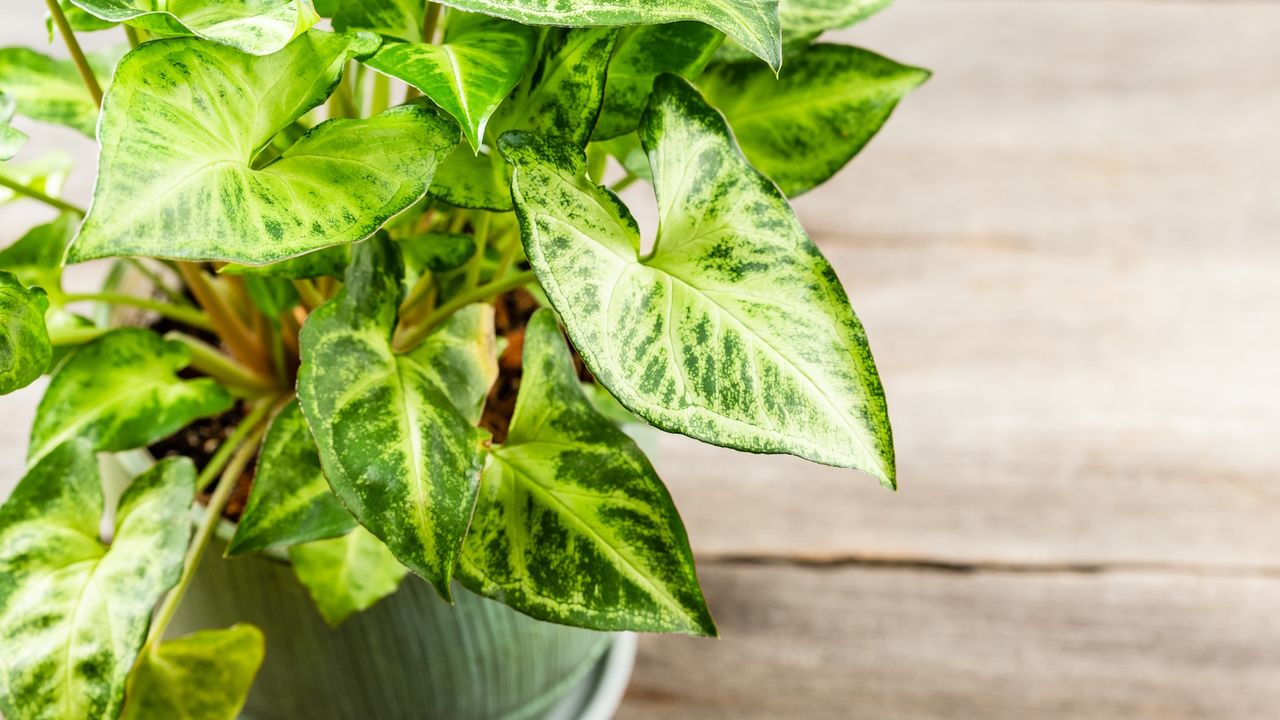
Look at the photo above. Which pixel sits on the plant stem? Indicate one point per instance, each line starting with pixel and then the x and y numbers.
pixel 131 33
pixel 158 282
pixel 231 460
pixel 420 289
pixel 60 337
pixel 380 97
pixel 311 296
pixel 410 337
pixel 187 315
pixel 207 359
pixel 229 327
pixel 625 182
pixel 508 257
pixel 477 260
pixel 35 194
pixel 82 64
pixel 430 18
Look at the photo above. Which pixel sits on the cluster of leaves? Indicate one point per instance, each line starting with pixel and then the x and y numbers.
pixel 328 262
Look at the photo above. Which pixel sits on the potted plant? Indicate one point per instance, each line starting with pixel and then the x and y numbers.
pixel 361 227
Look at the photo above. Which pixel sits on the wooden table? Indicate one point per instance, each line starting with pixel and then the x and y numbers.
pixel 1065 250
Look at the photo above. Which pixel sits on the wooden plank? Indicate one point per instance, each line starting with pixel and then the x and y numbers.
pixel 852 642
pixel 1064 250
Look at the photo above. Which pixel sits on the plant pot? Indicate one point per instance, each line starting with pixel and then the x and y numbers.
pixel 411 655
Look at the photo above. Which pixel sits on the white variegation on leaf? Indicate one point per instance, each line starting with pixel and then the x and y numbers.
pixel 734 330
pixel 73 611
pixel 257 27
pixel 51 90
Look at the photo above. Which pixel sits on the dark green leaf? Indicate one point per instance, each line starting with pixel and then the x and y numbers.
pixel 73 612
pixel 330 261
pixel 478 182
pixel 290 501
pixel 572 524
pixel 397 453
pixel 24 342
pixel 346 574
pixel 51 90
pixel 258 27
pixel 644 53
pixel 122 391
pixel 803 126
pixel 202 676
pixel 438 252
pixel 481 59
pixel 734 330
pixel 179 184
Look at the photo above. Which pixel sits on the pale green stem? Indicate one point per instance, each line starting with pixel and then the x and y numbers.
pixel 35 194
pixel 231 460
pixel 477 261
pixel 131 33
pixel 77 55
pixel 380 97
pixel 625 182
pixel 508 257
pixel 59 337
pixel 187 315
pixel 411 337
pixel 310 294
pixel 217 365
pixel 158 282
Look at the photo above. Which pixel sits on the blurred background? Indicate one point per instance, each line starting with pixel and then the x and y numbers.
pixel 1066 250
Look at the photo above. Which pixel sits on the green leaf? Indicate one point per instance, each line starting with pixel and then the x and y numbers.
pixel 78 19
pixel 572 524
pixel 397 453
pixel 461 358
pixel 752 23
pixel 803 126
pixel 202 676
pixel 11 139
pixel 290 501
pixel 73 612
pixel 24 342
pixel 180 184
pixel 330 261
pixel 51 90
pixel 644 53
pixel 734 330
pixel 478 182
pixel 437 252
pixel 46 174
pixel 36 258
pixel 346 574
pixel 257 27
pixel 563 91
pixel 480 61
pixel 810 17
pixel 122 391
pixel 394 18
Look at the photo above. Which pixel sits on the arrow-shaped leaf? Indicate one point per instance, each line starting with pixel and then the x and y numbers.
pixel 346 574
pixel 73 612
pixel 181 127
pixel 573 525
pixel 734 330
pixel 51 90
pixel 468 75
pixel 258 27
pixel 202 676
pixel 24 341
pixel 122 391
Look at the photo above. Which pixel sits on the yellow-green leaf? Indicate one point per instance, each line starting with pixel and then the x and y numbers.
pixel 202 676
pixel 24 341
pixel 258 27
pixel 346 574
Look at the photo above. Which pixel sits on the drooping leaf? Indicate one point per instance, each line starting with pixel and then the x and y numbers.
pixel 397 453
pixel 563 90
pixel 346 574
pixel 51 90
pixel 394 18
pixel 461 358
pixel 478 182
pixel 25 351
pixel 11 138
pixel 642 54
pixel 122 391
pixel 572 524
pixel 803 126
pixel 36 258
pixel 45 174
pixel 257 27
pixel 290 501
pixel 202 676
pixel 752 23
pixel 180 184
pixel 468 75
pixel 734 330
pixel 437 252
pixel 73 612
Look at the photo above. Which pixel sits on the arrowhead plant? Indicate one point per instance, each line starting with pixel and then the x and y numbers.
pixel 380 245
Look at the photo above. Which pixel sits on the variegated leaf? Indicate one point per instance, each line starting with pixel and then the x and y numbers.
pixel 461 358
pixel 346 574
pixel 122 391
pixel 436 252
pixel 572 524
pixel 397 453
pixel 752 23
pixel 36 258
pixel 51 90
pixel 181 183
pixel 202 676
pixel 644 53
pixel 394 18
pixel 73 612
pixel 467 75
pixel 804 20
pixel 11 138
pixel 562 92
pixel 258 27
pixel 290 501
pixel 734 329
pixel 24 342
pixel 478 182
pixel 804 125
